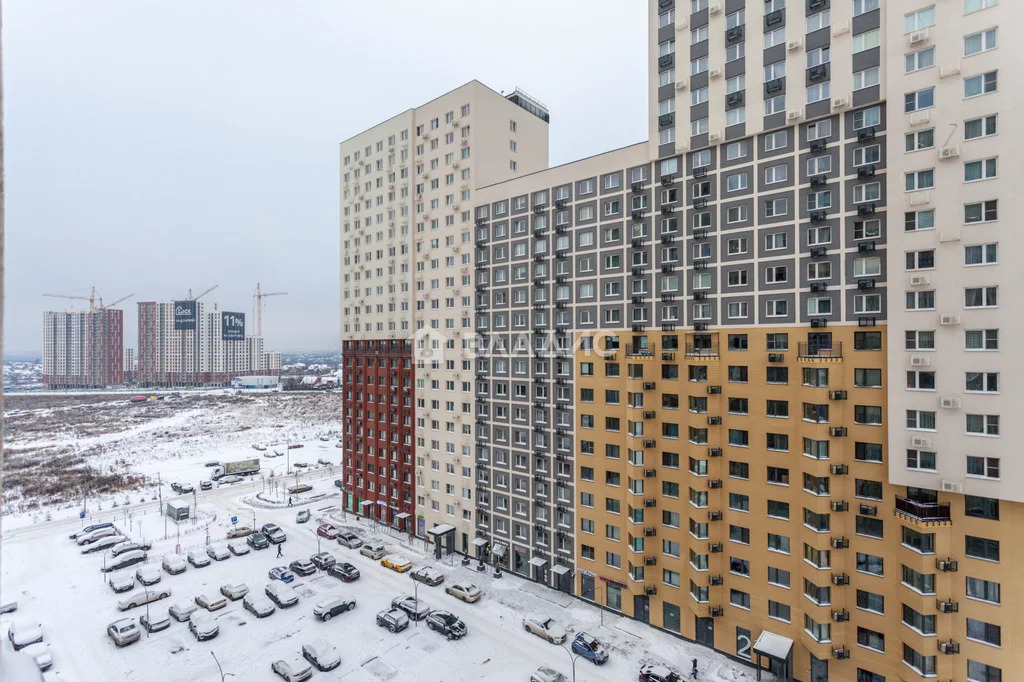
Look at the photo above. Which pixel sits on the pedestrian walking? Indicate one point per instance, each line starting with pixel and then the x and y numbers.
pixel 289 501
pixel 692 672
pixel 279 556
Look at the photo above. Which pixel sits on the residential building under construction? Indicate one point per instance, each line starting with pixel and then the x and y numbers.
pixel 83 349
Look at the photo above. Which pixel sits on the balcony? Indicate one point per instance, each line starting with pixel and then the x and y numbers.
pixel 702 350
pixel 640 350
pixel 923 513
pixel 814 351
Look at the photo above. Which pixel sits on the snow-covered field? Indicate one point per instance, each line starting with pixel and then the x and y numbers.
pixel 65 591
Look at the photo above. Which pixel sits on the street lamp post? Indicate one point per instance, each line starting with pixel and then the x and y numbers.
pixel 311 530
pixel 572 657
pixel 146 588
pixel 223 675
pixel 416 596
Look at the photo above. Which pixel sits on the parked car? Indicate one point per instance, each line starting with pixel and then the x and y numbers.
pixel 234 591
pixel 142 597
pixel 124 631
pixel 257 541
pixel 93 536
pixel 24 632
pixel 281 595
pixel 90 528
pixel 103 544
pixel 239 532
pixel 302 516
pixel 213 463
pixel 325 438
pixel 328 608
pixel 238 548
pixel 182 611
pixel 338 483
pixel 218 552
pixel 345 572
pixel 467 592
pixel 324 462
pixel 155 622
pixel 397 563
pixel 322 655
pixel 416 610
pixel 211 602
pixel 203 626
pixel 136 556
pixel 447 624
pixel 124 547
pixel 374 550
pixel 300 465
pixel 206 485
pixel 182 488
pixel 546 628
pixel 281 573
pixel 273 533
pixel 326 530
pixel 303 567
pixel 395 620
pixel 229 479
pixel 590 647
pixel 122 582
pixel 546 674
pixel 148 575
pixel 292 670
pixel 323 560
pixel 174 564
pixel 659 673
pixel 350 540
pixel 258 605
pixel 40 653
pixel 428 575
pixel 198 559
pixel 259 446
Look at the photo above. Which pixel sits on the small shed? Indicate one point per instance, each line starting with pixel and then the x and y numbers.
pixel 177 510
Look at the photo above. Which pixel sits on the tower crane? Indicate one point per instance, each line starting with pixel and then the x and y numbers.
pixel 259 296
pixel 91 298
pixel 111 305
pixel 196 298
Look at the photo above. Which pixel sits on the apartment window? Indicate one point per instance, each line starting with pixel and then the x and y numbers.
pixel 820 632
pixel 975 86
pixel 981 297
pixel 866 78
pixel 699 34
pixel 920 300
pixel 982 672
pixel 776 140
pixel 778 543
pixel 775 174
pixel 919 220
pixel 982 424
pixel 735 51
pixel 818 92
pixel 980 127
pixel 871 191
pixel 666 48
pixel 818 201
pixel 981 339
pixel 920 260
pixel 867 118
pixel 983 590
pixel 921 99
pixel 818 21
pixel 775 37
pixel 922 59
pixel 922 139
pixel 867 229
pixel 981 548
pixel 699 126
pixel 920 420
pixel 667 18
pixel 985 169
pixel 920 381
pixel 817 57
pixel 776 207
pixel 919 340
pixel 736 182
pixel 921 19
pixel 699 65
pixel 867 563
pixel 775 105
pixel 863 7
pixel 980 254
pixel 980 42
pixel 976 5
pixel 667 77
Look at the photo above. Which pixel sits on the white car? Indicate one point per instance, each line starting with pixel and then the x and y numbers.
pixel 141 597
pixel 234 591
pixel 182 611
pixel 293 669
pixel 467 592
pixel 545 674
pixel 211 603
pixel 238 547
pixel 203 626
pixel 281 595
pixel 321 654
pixel 148 575
pixel 95 535
pixel 546 628
pixel 218 552
pixel 198 559
pixel 258 605
pixel 121 582
pixel 174 564
pixel 40 653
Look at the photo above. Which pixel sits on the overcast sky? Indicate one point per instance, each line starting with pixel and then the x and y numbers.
pixel 156 146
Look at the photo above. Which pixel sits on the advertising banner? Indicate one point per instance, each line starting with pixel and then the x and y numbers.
pixel 232 326
pixel 185 317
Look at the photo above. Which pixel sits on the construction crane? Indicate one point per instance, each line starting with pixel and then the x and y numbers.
pixel 259 296
pixel 91 298
pixel 111 305
pixel 196 298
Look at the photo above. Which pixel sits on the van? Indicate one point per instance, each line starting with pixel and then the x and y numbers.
pixel 136 556
pixel 374 550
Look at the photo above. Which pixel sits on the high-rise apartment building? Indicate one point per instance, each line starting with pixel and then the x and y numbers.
pixel 83 349
pixel 407 280
pixel 717 391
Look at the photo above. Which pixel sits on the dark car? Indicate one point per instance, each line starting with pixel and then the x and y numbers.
pixel 346 572
pixel 323 560
pixel 213 463
pixel 338 483
pixel 302 567
pixel 89 529
pixel 448 624
pixel 206 485
pixel 416 610
pixel 659 673
pixel 257 541
pixel 590 648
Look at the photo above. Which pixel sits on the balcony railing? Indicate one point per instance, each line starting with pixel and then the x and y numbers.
pixel 702 349
pixel 926 512
pixel 640 350
pixel 814 350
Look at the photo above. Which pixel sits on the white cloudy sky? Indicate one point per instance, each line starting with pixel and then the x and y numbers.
pixel 154 146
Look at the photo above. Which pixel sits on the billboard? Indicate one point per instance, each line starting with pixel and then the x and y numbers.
pixel 232 326
pixel 185 316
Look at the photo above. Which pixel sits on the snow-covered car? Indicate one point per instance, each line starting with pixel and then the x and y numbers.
pixel 326 530
pixel 302 516
pixel 148 575
pixel 303 567
pixel 229 479
pixel 281 573
pixel 412 608
pixel 24 632
pixel 234 591
pixel 90 528
pixel 350 540
pixel 124 547
pixel 321 654
pixel 428 575
pixel 324 439
pixel 141 597
pixel 659 673
pixel 467 592
pixel 218 552
pixel 238 547
pixel 257 541
pixel 206 485
pixel 328 608
pixel 393 619
pixel 211 602
pixel 258 605
pixel 344 571
pixel 259 446
pixel 89 538
pixel 546 628
pixel 124 631
pixel 182 488
pixel 589 647
pixel 273 533
pixel 212 463
pixel 239 532
pixel 300 465
pixel 154 622
pixel 121 582
pixel 182 611
pixel 282 596
pixel 174 564
pixel 374 550
pixel 323 560
pixel 203 626
pixel 103 544
pixel 136 556
pixel 324 462
pixel 198 559
pixel 447 623
pixel 40 653
pixel 293 669
pixel 397 563
pixel 546 674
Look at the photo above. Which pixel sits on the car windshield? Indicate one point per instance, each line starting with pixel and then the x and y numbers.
pixel 449 619
pixel 548 624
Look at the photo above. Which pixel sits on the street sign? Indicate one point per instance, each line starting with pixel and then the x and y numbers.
pixel 234 519
pixel 81 514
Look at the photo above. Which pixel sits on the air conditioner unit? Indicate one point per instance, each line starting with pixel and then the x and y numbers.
pixel 949 403
pixel 840 102
pixel 920 361
pixel 919 280
pixel 946 566
pixel 793 45
pixel 949 70
pixel 714 390
pixel 715 8
pixel 947 320
pixel 681 84
pixel 714 137
pixel 919 442
pixel 952 487
pixel 919 118
pixel 919 38
pixel 837 395
pixel 841 616
pixel 714 452
pixel 949 152
pixel 776 357
pixel 714 73
pixel 947 606
pixel 793 115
